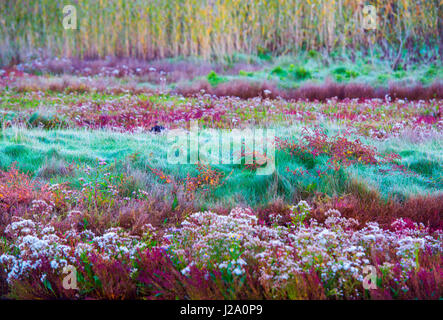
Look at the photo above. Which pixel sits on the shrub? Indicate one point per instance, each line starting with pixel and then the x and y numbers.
pixel 214 79
pixel 342 73
pixel 279 71
pixel 299 73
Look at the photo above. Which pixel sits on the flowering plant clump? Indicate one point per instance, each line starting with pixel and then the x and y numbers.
pixel 340 150
pixel 229 249
pixel 300 212
pixel 206 180
pixel 333 249
pixel 35 245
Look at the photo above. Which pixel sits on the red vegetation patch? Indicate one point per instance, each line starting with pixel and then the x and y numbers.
pixel 427 210
pixel 108 279
pixel 17 191
pixel 424 283
pixel 320 92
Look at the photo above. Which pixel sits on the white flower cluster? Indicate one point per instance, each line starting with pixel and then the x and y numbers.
pixel 34 243
pixel 335 248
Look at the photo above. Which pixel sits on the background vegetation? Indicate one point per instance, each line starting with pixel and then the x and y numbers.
pixel 150 29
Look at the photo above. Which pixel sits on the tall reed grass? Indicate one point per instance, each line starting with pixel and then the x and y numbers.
pixel 151 29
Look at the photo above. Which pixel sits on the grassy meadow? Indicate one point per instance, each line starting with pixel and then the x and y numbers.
pixel 91 207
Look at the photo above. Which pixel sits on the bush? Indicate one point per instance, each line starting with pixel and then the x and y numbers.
pixel 279 71
pixel 214 79
pixel 342 73
pixel 299 73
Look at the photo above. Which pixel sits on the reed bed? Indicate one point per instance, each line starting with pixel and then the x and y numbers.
pixel 150 29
